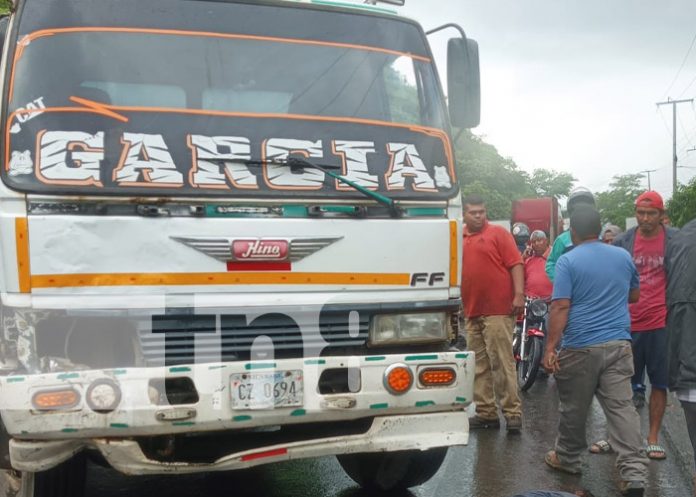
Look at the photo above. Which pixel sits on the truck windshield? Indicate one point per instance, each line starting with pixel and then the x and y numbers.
pixel 121 107
pixel 229 73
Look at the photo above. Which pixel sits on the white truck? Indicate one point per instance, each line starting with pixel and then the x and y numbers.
pixel 229 236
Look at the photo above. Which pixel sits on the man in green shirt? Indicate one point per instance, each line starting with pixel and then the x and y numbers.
pixel 563 243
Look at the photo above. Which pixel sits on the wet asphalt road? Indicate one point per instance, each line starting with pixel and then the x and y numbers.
pixel 493 465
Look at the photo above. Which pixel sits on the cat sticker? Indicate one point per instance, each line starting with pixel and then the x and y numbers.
pixel 21 163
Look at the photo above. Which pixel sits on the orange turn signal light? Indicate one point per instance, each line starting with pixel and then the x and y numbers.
pixel 437 377
pixel 51 400
pixel 398 379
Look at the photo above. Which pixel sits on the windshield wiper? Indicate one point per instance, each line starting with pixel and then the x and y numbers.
pixel 297 164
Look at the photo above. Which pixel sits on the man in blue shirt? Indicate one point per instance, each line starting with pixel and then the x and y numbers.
pixel 594 284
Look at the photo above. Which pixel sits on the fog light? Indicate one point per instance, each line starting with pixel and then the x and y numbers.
pixel 103 395
pixel 51 400
pixel 398 379
pixel 437 377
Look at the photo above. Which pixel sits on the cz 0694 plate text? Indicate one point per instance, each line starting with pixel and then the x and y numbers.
pixel 266 390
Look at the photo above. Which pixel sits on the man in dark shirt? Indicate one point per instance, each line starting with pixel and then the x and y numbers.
pixel 647 244
pixel 680 263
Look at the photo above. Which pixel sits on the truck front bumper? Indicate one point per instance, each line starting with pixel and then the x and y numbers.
pixel 422 418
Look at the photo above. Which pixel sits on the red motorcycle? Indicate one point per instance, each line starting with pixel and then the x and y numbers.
pixel 528 341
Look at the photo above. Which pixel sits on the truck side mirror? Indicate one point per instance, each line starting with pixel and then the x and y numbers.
pixel 463 82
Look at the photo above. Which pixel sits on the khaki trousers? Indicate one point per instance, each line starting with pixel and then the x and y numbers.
pixel 603 371
pixel 490 338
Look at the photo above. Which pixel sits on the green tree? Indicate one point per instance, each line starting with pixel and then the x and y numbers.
pixel 481 169
pixel 617 203
pixel 682 206
pixel 498 206
pixel 5 6
pixel 550 183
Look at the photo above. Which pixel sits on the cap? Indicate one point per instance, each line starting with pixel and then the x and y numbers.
pixel 537 234
pixel 650 199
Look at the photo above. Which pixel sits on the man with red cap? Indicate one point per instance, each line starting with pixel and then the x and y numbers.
pixel 646 243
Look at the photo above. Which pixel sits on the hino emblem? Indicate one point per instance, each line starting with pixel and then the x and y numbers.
pixel 256 249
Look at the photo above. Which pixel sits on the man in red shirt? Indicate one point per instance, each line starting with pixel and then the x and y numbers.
pixel 536 281
pixel 492 293
pixel 646 243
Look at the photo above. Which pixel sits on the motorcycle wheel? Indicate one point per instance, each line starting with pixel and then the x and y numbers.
pixel 528 366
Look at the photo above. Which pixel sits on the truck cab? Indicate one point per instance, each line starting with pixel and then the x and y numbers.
pixel 230 236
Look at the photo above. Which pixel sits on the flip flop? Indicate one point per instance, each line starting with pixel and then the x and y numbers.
pixel 551 458
pixel 655 451
pixel 601 447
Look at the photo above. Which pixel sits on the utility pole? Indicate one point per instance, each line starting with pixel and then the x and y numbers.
pixel 648 171
pixel 674 136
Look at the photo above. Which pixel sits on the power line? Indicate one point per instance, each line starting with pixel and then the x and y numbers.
pixel 662 116
pixel 680 68
pixel 687 87
pixel 686 133
pixel 688 137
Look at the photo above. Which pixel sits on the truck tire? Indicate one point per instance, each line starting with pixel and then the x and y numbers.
pixel 386 471
pixel 65 480
pixel 4 447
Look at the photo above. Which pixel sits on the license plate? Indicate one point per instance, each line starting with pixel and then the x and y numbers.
pixel 265 390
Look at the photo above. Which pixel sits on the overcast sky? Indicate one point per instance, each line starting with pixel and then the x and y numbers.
pixel 572 85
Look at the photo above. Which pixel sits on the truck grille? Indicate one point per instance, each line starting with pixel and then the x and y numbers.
pixel 186 338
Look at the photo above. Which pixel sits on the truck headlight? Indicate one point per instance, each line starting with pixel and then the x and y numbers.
pixel 389 329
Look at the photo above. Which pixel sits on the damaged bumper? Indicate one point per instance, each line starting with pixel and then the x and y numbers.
pixel 421 418
pixel 400 432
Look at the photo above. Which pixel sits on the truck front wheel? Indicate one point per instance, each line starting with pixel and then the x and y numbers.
pixel 65 480
pixel 385 471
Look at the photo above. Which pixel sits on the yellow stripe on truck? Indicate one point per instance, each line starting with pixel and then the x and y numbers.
pixel 250 278
pixel 454 259
pixel 22 241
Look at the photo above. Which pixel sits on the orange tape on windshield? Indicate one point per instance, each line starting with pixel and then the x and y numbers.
pixel 111 110
pixel 58 31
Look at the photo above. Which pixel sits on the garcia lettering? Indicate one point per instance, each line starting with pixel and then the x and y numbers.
pixel 223 162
